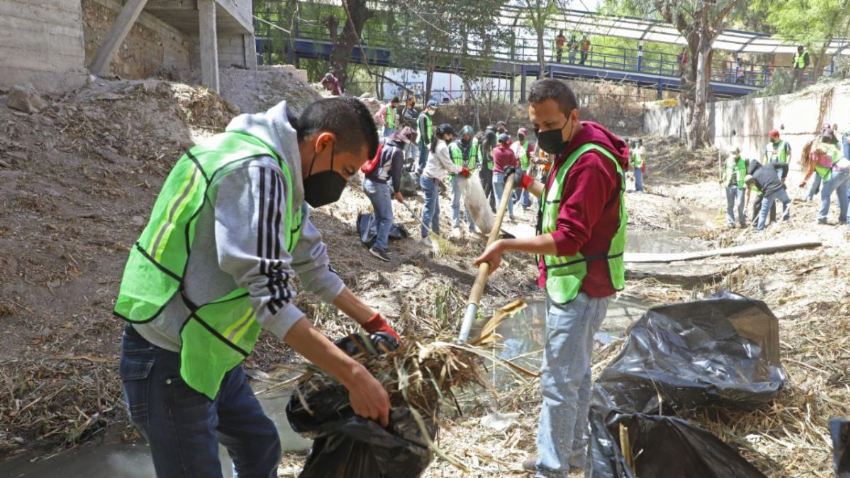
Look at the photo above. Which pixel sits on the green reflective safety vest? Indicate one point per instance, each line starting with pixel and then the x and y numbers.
pixel 835 155
pixel 800 60
pixel 456 153
pixel 564 275
pixel 731 165
pixel 392 117
pixel 429 128
pixel 523 155
pixel 779 150
pixel 217 335
pixel 638 159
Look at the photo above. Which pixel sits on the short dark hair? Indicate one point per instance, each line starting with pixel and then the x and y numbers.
pixel 395 100
pixel 551 89
pixel 347 118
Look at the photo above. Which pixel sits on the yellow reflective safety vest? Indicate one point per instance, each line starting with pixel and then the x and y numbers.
pixel 218 335
pixel 564 275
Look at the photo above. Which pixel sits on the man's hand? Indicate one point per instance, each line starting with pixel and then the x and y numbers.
pixel 803 185
pixel 378 324
pixel 368 397
pixel 492 255
pixel 521 180
pixel 398 197
pixel 465 172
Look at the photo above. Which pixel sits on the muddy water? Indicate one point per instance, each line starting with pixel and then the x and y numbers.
pixel 132 460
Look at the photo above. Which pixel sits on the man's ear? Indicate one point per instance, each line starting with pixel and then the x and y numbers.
pixel 323 141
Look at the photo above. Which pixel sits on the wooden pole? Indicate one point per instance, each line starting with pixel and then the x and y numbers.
pixel 116 36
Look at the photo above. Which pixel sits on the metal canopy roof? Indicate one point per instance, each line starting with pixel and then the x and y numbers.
pixel 661 32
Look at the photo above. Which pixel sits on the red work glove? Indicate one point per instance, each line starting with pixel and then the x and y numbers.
pixel 378 324
pixel 465 172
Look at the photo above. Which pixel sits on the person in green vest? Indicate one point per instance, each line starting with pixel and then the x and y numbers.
pixel 560 45
pixel 465 153
pixel 581 237
pixel 777 151
pixel 640 165
pixel 733 180
pixel 798 67
pixel 425 123
pixel 524 150
pixel 216 264
pixel 387 116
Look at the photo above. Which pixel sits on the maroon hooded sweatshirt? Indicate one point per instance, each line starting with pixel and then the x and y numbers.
pixel 590 206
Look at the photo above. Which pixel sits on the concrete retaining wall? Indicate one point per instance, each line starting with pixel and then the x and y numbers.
pixel 747 122
pixel 231 51
pixel 152 48
pixel 41 43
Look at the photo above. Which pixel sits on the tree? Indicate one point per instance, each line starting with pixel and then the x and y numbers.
pixel 699 22
pixel 356 16
pixel 538 13
pixel 812 23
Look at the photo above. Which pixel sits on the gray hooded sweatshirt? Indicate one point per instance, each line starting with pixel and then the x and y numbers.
pixel 240 242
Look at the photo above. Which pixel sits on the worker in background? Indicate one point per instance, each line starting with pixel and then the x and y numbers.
pixel 383 184
pixel 425 124
pixel 387 116
pixel 332 84
pixel 466 153
pixel 801 62
pixel 733 179
pixel 488 144
pixel 503 157
pixel 572 46
pixel 502 128
pixel 560 44
pixel 640 165
pixel 764 180
pixel 585 48
pixel 216 265
pixel 438 166
pixel 523 149
pixel 829 163
pixel 579 245
pixel 777 151
pixel 683 59
pixel 845 142
pixel 409 117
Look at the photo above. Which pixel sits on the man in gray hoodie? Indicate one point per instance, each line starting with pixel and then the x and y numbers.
pixel 216 264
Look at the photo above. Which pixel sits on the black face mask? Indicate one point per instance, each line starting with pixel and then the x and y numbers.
pixel 551 140
pixel 325 187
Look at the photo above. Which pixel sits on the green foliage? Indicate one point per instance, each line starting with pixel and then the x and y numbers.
pixel 806 22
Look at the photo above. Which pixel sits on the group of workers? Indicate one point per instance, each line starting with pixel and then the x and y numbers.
pixel 827 158
pixel 231 230
pixel 572 46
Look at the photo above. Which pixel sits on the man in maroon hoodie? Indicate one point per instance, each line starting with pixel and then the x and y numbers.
pixel 581 235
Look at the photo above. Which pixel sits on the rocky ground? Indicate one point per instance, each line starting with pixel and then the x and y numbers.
pixel 79 178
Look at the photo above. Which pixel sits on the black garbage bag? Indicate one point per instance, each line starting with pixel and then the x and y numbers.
pixel 663 447
pixel 839 429
pixel 348 446
pixel 722 351
pixel 367 228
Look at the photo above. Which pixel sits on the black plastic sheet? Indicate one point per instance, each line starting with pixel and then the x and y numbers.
pixel 839 429
pixel 348 446
pixel 721 351
pixel 367 229
pixel 664 447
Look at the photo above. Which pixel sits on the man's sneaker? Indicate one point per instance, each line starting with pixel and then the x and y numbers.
pixel 530 464
pixel 426 241
pixel 455 232
pixel 382 255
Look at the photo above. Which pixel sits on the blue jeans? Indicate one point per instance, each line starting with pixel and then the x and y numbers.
pixel 565 384
pixel 431 215
pixel 840 184
pixel 423 156
pixel 457 195
pixel 735 197
pixel 184 427
pixel 781 196
pixel 638 180
pixel 499 189
pixel 388 131
pixel 815 188
pixel 379 195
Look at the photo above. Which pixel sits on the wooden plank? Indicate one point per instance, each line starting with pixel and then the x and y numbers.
pixel 209 44
pixel 771 247
pixel 116 35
